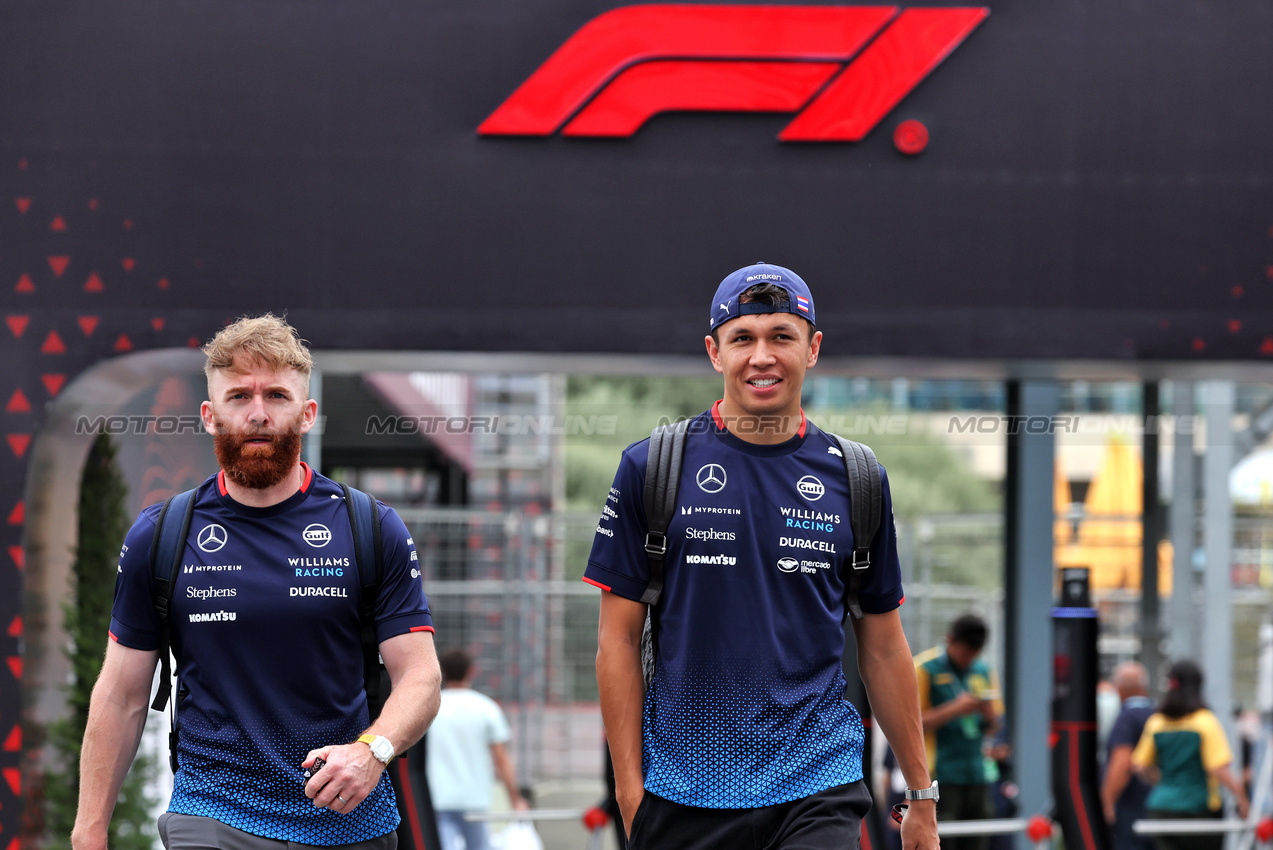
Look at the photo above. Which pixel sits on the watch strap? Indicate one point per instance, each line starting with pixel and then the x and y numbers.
pixel 929 793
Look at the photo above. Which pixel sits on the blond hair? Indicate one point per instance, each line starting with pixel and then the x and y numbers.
pixel 268 340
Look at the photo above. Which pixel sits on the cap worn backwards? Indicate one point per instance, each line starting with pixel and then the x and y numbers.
pixel 728 302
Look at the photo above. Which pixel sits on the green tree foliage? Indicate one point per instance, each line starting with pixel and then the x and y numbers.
pixel 103 523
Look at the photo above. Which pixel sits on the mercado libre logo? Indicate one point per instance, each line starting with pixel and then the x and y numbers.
pixel 841 69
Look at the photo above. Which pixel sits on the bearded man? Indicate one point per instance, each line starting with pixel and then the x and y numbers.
pixel 266 635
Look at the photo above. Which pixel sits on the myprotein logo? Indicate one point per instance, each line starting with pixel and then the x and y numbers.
pixel 842 69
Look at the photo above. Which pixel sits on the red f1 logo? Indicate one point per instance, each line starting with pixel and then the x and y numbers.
pixel 627 65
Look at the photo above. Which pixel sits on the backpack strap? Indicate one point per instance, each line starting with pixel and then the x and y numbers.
pixel 662 476
pixel 866 500
pixel 364 521
pixel 166 548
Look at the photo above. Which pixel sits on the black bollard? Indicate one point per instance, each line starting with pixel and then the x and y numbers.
pixel 1075 779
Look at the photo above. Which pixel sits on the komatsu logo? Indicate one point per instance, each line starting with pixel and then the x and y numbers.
pixel 713 560
pixel 214 617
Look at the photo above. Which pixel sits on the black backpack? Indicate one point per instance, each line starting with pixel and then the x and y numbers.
pixel 663 475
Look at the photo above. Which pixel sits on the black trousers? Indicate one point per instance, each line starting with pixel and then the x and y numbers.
pixel 828 820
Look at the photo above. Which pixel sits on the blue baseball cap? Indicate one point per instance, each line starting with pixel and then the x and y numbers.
pixel 727 304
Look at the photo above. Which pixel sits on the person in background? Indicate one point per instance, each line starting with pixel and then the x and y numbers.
pixel 1122 792
pixel 467 750
pixel 962 708
pixel 1185 755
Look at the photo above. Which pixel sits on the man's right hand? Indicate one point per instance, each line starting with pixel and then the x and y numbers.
pixel 84 839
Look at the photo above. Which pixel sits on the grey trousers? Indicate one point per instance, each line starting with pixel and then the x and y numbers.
pixel 190 832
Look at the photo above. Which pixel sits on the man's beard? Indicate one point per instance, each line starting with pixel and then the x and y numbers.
pixel 258 466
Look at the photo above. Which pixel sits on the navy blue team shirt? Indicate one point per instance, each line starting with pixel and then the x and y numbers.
pixel 266 637
pixel 746 708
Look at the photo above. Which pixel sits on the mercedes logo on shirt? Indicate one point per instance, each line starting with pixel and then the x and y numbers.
pixel 212 538
pixel 711 478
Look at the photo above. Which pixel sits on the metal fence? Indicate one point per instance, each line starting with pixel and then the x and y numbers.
pixel 506 587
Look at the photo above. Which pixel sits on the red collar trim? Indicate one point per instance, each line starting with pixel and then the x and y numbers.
pixel 308 479
pixel 720 423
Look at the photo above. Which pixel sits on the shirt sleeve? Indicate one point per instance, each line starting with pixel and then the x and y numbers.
pixel 1215 746
pixel 618 562
pixel 1145 754
pixel 401 606
pixel 498 732
pixel 134 623
pixel 882 590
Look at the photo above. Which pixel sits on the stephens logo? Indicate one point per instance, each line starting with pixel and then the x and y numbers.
pixel 841 68
pixel 317 535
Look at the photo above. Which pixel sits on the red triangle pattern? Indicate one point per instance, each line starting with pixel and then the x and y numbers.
pixel 24 284
pixel 128 263
pixel 123 343
pixel 18 556
pixel 13 742
pixel 88 324
pixel 17 325
pixel 1269 272
pixel 19 443
pixel 53 344
pixel 192 343
pixel 1235 325
pixel 158 323
pixel 23 204
pixel 1266 347
pixel 94 283
pixel 59 264
pixel 92 203
pixel 18 515
pixel 13 775
pixel 15 628
pixel 53 383
pixel 1199 344
pixel 128 224
pixel 18 403
pixel 163 283
pixel 58 224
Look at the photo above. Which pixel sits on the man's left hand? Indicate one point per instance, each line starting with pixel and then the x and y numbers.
pixel 919 826
pixel 349 775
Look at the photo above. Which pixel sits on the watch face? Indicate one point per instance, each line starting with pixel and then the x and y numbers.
pixel 382 749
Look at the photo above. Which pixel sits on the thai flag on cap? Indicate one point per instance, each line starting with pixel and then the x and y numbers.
pixel 802 304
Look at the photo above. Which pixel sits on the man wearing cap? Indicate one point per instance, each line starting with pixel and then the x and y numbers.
pixel 744 739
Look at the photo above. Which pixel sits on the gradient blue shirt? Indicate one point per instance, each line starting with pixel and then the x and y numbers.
pixel 266 637
pixel 746 708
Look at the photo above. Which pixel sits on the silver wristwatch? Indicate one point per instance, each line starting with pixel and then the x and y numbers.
pixel 929 793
